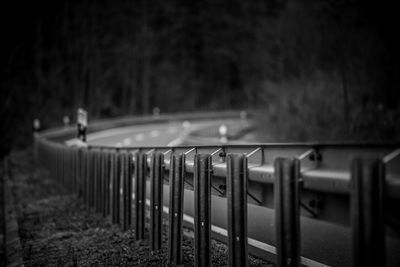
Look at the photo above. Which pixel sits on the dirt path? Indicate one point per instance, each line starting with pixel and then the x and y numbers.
pixel 56 229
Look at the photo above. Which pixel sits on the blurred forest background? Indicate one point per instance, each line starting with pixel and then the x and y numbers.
pixel 314 69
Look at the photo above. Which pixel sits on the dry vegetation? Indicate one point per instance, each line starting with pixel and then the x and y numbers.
pixel 56 229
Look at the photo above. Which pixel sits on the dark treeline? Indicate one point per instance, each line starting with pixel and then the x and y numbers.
pixel 316 69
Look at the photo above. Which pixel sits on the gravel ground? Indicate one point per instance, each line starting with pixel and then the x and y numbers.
pixel 56 229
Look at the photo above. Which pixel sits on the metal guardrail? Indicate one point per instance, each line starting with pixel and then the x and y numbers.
pixel 327 184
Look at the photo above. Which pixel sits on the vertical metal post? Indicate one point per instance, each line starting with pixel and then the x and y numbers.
pixel 156 199
pixel 116 188
pixel 95 180
pixel 58 165
pixel 65 166
pixel 72 171
pixel 287 219
pixel 91 175
pixel 202 215
pixel 77 170
pixel 123 190
pixel 102 178
pixel 176 189
pixel 140 193
pixel 84 174
pixel 112 185
pixel 99 180
pixel 61 152
pixel 60 168
pixel 127 189
pixel 237 209
pixel 104 183
pixel 367 212
pixel 69 168
pixel 89 161
pixel 108 186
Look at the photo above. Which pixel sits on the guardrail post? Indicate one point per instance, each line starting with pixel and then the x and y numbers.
pixel 112 185
pixel 104 175
pixel 57 165
pixel 175 231
pixel 237 209
pixel 287 216
pixel 72 152
pixel 66 167
pixel 108 187
pixel 116 188
pixel 127 189
pixel 140 193
pixel 84 174
pixel 156 199
pixel 102 181
pixel 95 180
pixel 202 215
pixel 70 168
pixel 78 175
pixel 89 161
pixel 367 212
pixel 90 177
pixel 99 179
pixel 105 185
pixel 61 164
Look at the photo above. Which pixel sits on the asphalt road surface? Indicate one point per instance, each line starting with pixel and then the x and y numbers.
pixel 155 134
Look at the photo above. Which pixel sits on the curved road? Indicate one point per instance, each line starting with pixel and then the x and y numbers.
pixel 156 134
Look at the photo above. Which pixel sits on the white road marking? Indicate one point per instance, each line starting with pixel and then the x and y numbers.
pixel 172 130
pixel 186 125
pixel 163 128
pixel 127 141
pixel 139 137
pixel 155 133
pixel 251 241
pixel 176 142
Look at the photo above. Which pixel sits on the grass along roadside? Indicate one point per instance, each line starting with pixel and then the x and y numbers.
pixel 56 229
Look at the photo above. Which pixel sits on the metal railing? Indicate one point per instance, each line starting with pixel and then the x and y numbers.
pixel 305 185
